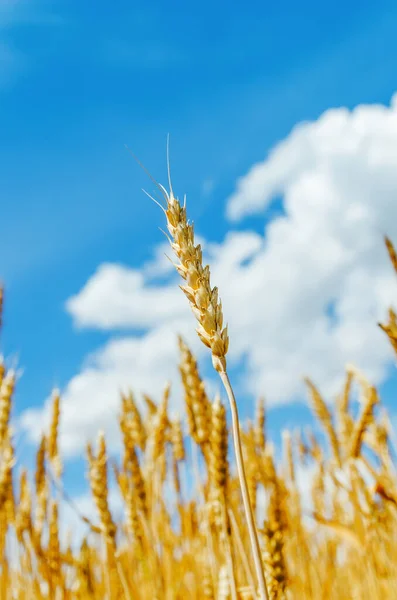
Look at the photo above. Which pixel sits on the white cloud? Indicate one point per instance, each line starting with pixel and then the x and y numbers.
pixel 353 153
pixel 303 298
pixel 116 296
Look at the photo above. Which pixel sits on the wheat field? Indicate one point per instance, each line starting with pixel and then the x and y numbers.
pixel 239 525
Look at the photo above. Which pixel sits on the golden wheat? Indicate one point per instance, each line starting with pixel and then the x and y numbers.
pixel 332 538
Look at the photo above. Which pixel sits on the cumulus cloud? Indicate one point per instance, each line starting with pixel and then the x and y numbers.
pixel 349 154
pixel 302 298
pixel 116 296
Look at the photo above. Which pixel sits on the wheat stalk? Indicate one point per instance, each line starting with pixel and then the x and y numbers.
pixel 207 309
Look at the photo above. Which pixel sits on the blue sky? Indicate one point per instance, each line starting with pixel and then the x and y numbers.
pixel 80 80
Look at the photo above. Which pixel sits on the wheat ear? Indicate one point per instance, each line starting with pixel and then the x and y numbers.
pixel 207 308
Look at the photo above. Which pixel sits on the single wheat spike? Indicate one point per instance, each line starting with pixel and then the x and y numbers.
pixel 218 457
pixel 344 399
pixel 40 474
pixel 6 392
pixel 151 406
pixel 323 414
pixel 135 472
pixel 260 424
pixel 52 441
pixel 6 465
pixel 363 421
pixel 273 540
pixel 392 253
pixel 178 447
pixel 132 466
pixel 344 419
pixel 275 571
pixel 24 509
pixel 202 297
pixel 252 482
pixel 134 526
pixel 251 461
pixel 318 489
pixel 382 431
pixel 41 484
pixel 270 466
pixel 303 450
pixel 315 450
pixel 390 328
pixel 54 551
pixel 134 420
pixel 176 477
pixel 85 576
pixel 10 504
pixel 99 488
pixel 288 456
pixel 178 452
pixel 128 442
pixel 7 506
pixel 198 406
pixel 160 425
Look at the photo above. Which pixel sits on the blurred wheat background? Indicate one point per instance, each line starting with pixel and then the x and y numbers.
pixel 334 540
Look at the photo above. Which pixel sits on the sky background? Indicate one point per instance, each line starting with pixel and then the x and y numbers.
pixel 304 92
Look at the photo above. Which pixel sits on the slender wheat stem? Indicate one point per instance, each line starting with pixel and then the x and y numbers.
pixel 256 553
